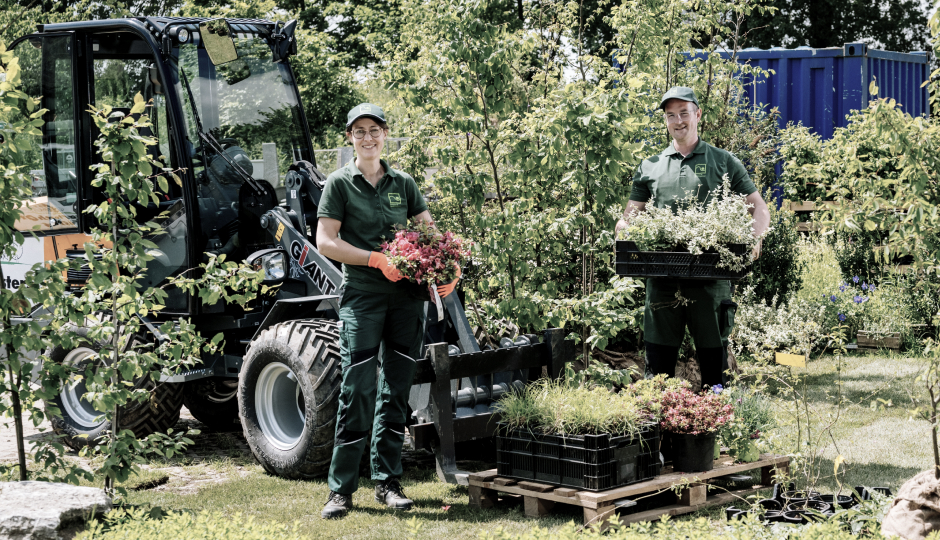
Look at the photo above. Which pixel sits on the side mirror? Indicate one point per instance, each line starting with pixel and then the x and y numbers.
pixel 217 39
pixel 273 262
pixel 284 42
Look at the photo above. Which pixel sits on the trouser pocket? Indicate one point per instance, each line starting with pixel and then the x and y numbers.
pixel 726 313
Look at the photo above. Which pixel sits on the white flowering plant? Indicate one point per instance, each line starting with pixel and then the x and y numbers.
pixel 714 225
pixel 762 329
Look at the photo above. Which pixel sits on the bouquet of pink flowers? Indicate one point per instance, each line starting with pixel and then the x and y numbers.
pixel 688 413
pixel 423 254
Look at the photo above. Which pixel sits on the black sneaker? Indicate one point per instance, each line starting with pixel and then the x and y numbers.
pixel 390 494
pixel 337 506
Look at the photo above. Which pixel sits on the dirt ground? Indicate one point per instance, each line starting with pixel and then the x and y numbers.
pixel 207 444
pixel 8 438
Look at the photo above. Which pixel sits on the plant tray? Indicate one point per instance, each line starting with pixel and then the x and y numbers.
pixel 890 340
pixel 674 264
pixel 589 462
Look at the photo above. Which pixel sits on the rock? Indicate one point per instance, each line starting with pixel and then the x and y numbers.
pixel 915 512
pixel 47 511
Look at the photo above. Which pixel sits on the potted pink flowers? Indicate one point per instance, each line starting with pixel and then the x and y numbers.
pixel 425 255
pixel 693 420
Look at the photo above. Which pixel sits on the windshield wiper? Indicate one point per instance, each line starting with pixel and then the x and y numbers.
pixel 209 140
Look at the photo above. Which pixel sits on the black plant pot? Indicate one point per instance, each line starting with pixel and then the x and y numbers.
pixel 813 504
pixel 797 517
pixel 732 513
pixel 864 494
pixel 779 489
pixel 842 501
pixel 665 447
pixel 770 505
pixel 693 453
pixel 798 497
pixel 774 516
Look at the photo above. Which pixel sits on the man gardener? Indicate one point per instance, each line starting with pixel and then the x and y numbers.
pixel 689 165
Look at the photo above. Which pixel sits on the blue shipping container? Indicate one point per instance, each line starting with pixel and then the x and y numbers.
pixel 818 87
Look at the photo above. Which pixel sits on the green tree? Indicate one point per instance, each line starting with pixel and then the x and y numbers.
pixel 22 389
pixel 129 359
pixel 537 139
pixel 895 25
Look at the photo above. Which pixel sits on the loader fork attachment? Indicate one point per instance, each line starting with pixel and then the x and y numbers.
pixel 439 368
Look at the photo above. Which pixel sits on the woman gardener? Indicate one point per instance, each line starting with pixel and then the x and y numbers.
pixel 361 205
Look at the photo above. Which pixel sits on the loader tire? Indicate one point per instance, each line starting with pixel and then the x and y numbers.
pixel 214 402
pixel 76 420
pixel 288 394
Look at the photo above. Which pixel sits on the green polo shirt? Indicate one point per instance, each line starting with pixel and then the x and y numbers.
pixel 669 177
pixel 369 215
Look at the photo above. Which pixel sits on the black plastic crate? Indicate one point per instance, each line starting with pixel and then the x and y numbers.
pixel 591 462
pixel 674 264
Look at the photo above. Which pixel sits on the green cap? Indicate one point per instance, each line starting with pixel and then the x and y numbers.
pixel 365 109
pixel 679 92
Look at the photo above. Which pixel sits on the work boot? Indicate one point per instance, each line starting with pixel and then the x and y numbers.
pixel 390 494
pixel 337 506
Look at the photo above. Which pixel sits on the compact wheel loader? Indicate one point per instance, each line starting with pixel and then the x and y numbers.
pixel 226 112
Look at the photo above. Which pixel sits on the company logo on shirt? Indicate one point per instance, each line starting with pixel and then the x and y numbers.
pixel 700 169
pixel 394 199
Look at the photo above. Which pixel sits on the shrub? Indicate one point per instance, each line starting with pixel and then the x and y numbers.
pixel 920 296
pixel 855 251
pixel 140 525
pixel 764 327
pixel 801 152
pixel 689 413
pixel 821 273
pixel 698 529
pixel 779 270
pixel 753 415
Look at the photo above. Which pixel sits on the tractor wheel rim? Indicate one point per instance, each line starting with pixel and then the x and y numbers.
pixel 72 396
pixel 278 401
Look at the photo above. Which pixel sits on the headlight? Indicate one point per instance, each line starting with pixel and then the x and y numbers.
pixel 273 266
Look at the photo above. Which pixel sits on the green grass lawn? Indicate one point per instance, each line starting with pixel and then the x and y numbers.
pixel 881 446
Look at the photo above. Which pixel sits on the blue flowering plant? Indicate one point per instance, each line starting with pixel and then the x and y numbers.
pixel 848 304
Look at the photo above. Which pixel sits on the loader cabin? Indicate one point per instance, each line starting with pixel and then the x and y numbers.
pixel 225 114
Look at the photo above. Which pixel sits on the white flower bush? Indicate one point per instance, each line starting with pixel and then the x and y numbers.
pixel 698 227
pixel 760 329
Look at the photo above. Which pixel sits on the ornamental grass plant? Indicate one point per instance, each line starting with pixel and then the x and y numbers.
pixel 552 407
pixel 697 226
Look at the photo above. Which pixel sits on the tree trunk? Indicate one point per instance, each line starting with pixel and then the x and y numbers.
pixel 15 398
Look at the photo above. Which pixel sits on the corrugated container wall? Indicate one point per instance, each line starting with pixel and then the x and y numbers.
pixel 818 87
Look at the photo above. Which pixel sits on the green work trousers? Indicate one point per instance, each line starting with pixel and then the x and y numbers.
pixel 706 307
pixel 375 388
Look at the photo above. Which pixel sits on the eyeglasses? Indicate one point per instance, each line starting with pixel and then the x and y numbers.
pixel 360 133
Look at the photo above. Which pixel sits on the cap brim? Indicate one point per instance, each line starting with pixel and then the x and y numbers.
pixel 662 104
pixel 364 115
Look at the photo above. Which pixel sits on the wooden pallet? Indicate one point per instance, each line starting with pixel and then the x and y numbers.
pixel 889 340
pixel 539 499
pixel 811 206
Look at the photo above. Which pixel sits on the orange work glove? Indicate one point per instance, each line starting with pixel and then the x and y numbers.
pixel 380 261
pixel 444 290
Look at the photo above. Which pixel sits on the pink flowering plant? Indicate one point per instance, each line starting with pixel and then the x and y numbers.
pixel 424 254
pixel 688 413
